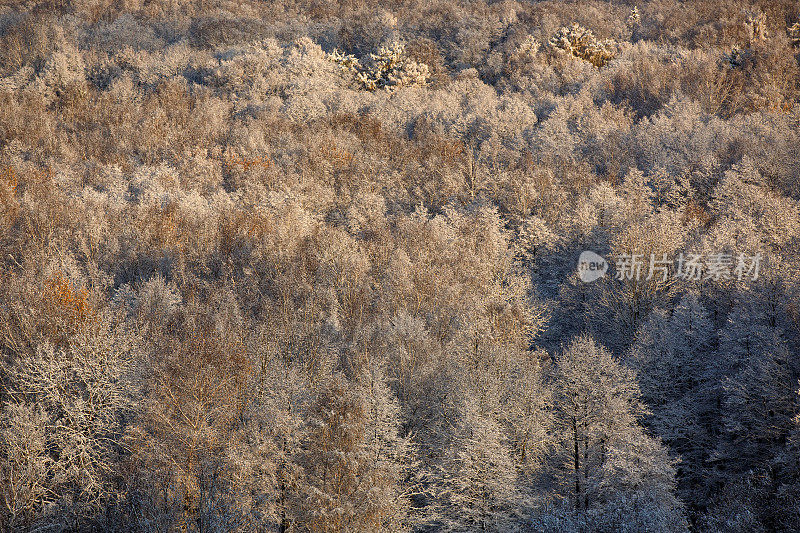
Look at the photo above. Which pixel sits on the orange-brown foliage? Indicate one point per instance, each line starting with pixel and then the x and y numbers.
pixel 71 303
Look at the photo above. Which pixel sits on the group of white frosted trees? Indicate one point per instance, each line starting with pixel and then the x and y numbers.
pixel 249 285
pixel 336 413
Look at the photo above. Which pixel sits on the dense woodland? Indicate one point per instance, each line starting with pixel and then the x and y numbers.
pixel 310 266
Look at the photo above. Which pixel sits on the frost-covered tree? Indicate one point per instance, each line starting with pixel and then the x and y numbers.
pixel 64 412
pixel 388 68
pixel 470 475
pixel 670 355
pixel 354 459
pixel 606 463
pixel 581 43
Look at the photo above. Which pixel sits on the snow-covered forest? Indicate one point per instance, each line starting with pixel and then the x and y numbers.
pixel 313 266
